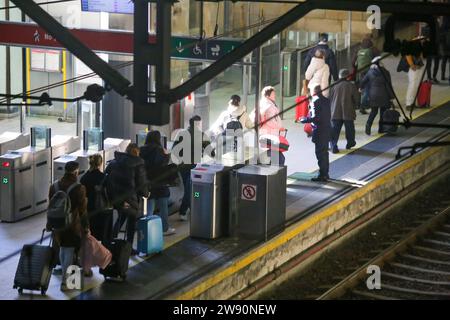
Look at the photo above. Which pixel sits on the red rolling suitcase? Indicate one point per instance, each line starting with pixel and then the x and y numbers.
pixel 301 110
pixel 424 95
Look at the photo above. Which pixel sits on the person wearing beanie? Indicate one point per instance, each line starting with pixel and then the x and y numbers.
pixel 344 99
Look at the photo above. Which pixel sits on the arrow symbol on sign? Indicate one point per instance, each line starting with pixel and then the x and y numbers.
pixel 179 48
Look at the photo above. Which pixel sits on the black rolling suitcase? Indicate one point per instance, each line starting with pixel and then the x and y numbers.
pixel 391 115
pixel 121 252
pixel 35 267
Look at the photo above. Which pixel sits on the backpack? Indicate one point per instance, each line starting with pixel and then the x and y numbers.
pixel 233 124
pixel 364 58
pixel 59 213
pixel 101 196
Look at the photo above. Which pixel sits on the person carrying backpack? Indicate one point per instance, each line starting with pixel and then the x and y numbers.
pixel 233 119
pixel 361 63
pixel 100 218
pixel 67 215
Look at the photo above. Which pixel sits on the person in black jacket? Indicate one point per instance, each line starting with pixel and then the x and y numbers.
pixel 188 161
pixel 378 82
pixel 330 58
pixel 127 184
pixel 158 174
pixel 321 136
pixel 98 217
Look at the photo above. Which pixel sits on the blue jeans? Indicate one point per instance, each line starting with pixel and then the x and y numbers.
pixel 66 255
pixel 163 205
pixel 186 202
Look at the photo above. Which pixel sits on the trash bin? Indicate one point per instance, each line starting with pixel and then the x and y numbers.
pixel 258 201
pixel 209 201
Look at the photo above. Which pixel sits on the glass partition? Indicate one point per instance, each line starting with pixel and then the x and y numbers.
pixel 40 137
pixel 93 139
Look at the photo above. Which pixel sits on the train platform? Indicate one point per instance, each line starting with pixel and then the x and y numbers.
pixel 200 269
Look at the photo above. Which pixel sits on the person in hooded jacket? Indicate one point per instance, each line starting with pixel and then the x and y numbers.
pixel 158 172
pixel 127 184
pixel 329 57
pixel 234 111
pixel 318 73
pixel 361 62
pixel 234 118
pixel 378 82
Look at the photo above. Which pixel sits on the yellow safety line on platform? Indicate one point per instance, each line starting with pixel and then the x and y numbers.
pixel 302 226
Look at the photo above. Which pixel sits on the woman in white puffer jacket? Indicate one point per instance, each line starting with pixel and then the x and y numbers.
pixel 235 111
pixel 318 73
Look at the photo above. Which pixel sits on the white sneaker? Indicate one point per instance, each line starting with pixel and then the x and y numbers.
pixel 169 232
pixel 183 217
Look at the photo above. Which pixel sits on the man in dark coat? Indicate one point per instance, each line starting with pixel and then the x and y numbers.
pixel 127 184
pixel 321 120
pixel 188 161
pixel 378 82
pixel 330 58
pixel 344 98
pixel 69 238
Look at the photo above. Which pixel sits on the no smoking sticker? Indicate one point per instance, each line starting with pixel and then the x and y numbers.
pixel 248 192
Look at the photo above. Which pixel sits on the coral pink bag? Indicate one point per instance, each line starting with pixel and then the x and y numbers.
pixel 93 253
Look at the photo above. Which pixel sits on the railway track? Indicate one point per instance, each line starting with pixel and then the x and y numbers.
pixel 415 267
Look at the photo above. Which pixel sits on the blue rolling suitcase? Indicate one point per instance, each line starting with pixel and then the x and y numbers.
pixel 150 233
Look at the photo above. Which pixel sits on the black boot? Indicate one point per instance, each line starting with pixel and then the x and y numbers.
pixel 368 130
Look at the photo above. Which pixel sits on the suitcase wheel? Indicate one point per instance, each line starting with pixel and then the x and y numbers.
pixel 20 290
pixel 43 291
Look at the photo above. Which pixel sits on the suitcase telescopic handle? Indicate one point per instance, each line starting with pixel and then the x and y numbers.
pixel 42 237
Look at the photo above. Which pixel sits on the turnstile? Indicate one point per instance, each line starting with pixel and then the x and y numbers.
pixel 93 143
pixel 141 136
pixel 26 177
pixel 209 201
pixel 13 141
pixel 111 145
pixel 258 201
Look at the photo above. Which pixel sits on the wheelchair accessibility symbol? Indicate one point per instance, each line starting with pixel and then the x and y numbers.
pixel 197 50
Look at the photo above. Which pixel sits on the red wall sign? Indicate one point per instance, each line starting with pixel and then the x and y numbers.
pixel 31 35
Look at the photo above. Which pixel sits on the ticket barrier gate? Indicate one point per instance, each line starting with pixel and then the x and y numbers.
pixel 13 141
pixel 258 201
pixel 141 136
pixel 111 145
pixel 93 143
pixel 26 177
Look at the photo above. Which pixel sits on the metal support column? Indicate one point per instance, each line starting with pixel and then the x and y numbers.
pixel 156 55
